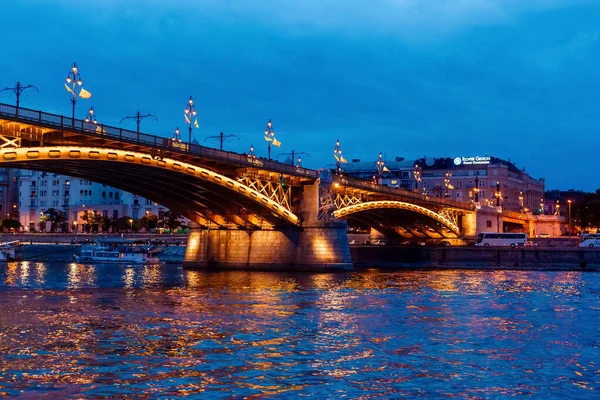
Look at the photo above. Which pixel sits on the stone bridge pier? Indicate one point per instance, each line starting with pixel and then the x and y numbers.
pixel 316 244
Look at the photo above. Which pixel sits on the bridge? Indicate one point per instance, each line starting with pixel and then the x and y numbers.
pixel 244 211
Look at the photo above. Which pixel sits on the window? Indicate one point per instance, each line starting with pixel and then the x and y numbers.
pixel 116 196
pixel 481 183
pixel 489 223
pixel 103 194
pixel 110 195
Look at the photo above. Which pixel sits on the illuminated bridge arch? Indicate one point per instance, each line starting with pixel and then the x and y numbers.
pixel 345 212
pixel 157 179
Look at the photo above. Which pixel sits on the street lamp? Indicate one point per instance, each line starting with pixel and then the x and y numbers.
pixel 339 159
pixel 498 194
pixel 521 201
pixel 131 223
pixel 381 168
pixel 417 176
pixel 90 118
pixel 190 117
pixel 73 80
pixel 476 190
pixel 176 138
pixel 447 182
pixel 569 201
pixel 542 208
pixel 270 138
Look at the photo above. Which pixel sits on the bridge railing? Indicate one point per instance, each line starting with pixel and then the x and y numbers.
pixel 407 194
pixel 158 142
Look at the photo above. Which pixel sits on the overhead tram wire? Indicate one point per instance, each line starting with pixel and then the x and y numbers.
pixel 138 117
pixel 221 137
pixel 17 90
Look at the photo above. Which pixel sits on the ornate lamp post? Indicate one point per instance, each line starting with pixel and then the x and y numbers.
pixel 498 194
pixel 176 139
pixel 90 119
pixel 381 168
pixel 417 176
pixel 339 159
pixel 252 154
pixel 73 80
pixel 447 182
pixel 270 138
pixel 569 202
pixel 521 201
pixel 476 190
pixel 299 163
pixel 191 117
pixel 91 116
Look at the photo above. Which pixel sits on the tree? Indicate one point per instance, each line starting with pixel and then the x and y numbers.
pixel 124 223
pixel 93 220
pixel 172 220
pixel 57 218
pixel 11 224
pixel 150 221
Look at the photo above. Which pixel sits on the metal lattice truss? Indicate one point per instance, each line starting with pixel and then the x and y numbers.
pixel 343 200
pixel 9 142
pixel 446 218
pixel 451 214
pixel 281 195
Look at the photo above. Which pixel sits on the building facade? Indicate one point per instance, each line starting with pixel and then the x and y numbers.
pixel 40 191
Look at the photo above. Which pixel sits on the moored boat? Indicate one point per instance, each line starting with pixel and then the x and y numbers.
pixel 130 251
pixel 7 250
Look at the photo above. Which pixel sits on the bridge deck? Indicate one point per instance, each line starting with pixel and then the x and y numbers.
pixel 107 136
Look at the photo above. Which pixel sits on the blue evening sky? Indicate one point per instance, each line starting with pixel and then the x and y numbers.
pixel 516 79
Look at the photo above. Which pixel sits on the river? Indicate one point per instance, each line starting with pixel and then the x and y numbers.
pixel 73 331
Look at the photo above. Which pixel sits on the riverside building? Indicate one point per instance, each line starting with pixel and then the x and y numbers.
pixel 39 191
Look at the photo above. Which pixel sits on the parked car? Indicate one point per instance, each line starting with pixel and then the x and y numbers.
pixel 444 243
pixel 544 235
pixel 353 242
pixel 379 243
pixel 529 243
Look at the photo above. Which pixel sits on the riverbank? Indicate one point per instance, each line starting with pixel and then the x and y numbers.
pixel 80 238
pixel 66 252
pixel 470 257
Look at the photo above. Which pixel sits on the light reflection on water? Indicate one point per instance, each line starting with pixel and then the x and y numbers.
pixel 73 330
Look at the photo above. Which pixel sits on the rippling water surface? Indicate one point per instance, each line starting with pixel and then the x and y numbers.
pixel 72 331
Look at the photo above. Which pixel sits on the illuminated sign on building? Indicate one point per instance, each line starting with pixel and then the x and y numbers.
pixel 472 160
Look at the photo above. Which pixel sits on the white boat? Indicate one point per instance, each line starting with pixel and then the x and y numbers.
pixel 7 250
pixel 129 251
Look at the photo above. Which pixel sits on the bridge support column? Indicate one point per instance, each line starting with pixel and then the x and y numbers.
pixel 317 247
pixel 319 244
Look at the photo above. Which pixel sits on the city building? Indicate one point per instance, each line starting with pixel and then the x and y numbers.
pixel 8 194
pixel 40 191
